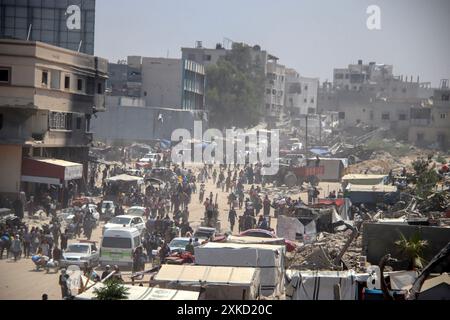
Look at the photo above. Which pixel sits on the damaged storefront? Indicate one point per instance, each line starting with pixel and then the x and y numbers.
pixel 57 177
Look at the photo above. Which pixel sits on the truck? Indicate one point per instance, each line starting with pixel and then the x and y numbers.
pixel 294 172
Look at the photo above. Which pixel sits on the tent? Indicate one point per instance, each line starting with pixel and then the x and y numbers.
pixel 319 285
pixel 270 258
pixel 220 283
pixel 144 293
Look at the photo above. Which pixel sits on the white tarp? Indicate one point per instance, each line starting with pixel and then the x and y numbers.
pixel 319 285
pixel 144 293
pixel 270 258
pixel 125 178
pixel 403 280
pixel 289 228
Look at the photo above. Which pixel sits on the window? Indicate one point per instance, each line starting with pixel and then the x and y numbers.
pixel 402 117
pixel 420 137
pixel 274 92
pixel 78 123
pixel 67 82
pixel 44 78
pixel 312 100
pixel 120 243
pixel 55 79
pixel 385 116
pixel 267 105
pixel 306 87
pixel 191 56
pixel 305 100
pixel 207 57
pixel 99 88
pixel 355 88
pixel 267 91
pixel 60 121
pixel 339 76
pixel 80 84
pixel 445 97
pixel 404 90
pixel 346 76
pixel 5 75
pixel 341 115
pixel 311 110
pixel 443 115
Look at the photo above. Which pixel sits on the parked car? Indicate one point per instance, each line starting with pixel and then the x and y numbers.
pixel 149 157
pixel 136 211
pixel 178 244
pixel 79 253
pixel 126 221
pixel 108 210
pixel 204 233
pixel 261 233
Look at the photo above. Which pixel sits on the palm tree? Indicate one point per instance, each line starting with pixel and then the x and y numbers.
pixel 412 249
pixel 112 290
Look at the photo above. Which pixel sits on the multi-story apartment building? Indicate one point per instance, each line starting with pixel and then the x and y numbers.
pixel 275 89
pixel 160 82
pixel 64 23
pixel 430 125
pixel 48 96
pixel 204 56
pixel 301 93
pixel 353 77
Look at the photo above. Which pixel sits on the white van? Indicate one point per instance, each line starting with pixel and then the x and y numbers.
pixel 118 245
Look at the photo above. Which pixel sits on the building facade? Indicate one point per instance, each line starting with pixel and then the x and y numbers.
pixel 160 82
pixel 301 93
pixel 274 91
pixel 129 120
pixel 430 125
pixel 64 23
pixel 48 96
pixel 203 56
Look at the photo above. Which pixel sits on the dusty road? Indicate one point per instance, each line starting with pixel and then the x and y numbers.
pixel 20 281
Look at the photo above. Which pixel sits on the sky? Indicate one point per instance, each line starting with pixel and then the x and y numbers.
pixel 311 36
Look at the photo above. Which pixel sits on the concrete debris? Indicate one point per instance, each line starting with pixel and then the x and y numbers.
pixel 320 254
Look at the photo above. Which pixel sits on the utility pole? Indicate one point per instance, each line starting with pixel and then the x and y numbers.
pixel 320 128
pixel 306 135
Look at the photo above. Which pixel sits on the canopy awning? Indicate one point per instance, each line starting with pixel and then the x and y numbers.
pixel 125 178
pixel 50 171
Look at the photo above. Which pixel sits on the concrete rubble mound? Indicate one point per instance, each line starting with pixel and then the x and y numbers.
pixel 320 254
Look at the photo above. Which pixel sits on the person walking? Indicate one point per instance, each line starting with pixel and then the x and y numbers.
pixel 63 283
pixel 232 216
pixel 26 244
pixel 16 247
pixel 189 247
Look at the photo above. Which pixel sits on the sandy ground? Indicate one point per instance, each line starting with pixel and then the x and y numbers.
pixel 19 280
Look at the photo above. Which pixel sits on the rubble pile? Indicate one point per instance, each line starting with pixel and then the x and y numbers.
pixel 380 162
pixel 320 254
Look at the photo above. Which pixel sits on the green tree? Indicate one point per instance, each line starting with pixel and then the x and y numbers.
pixel 425 177
pixel 235 89
pixel 412 250
pixel 112 290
